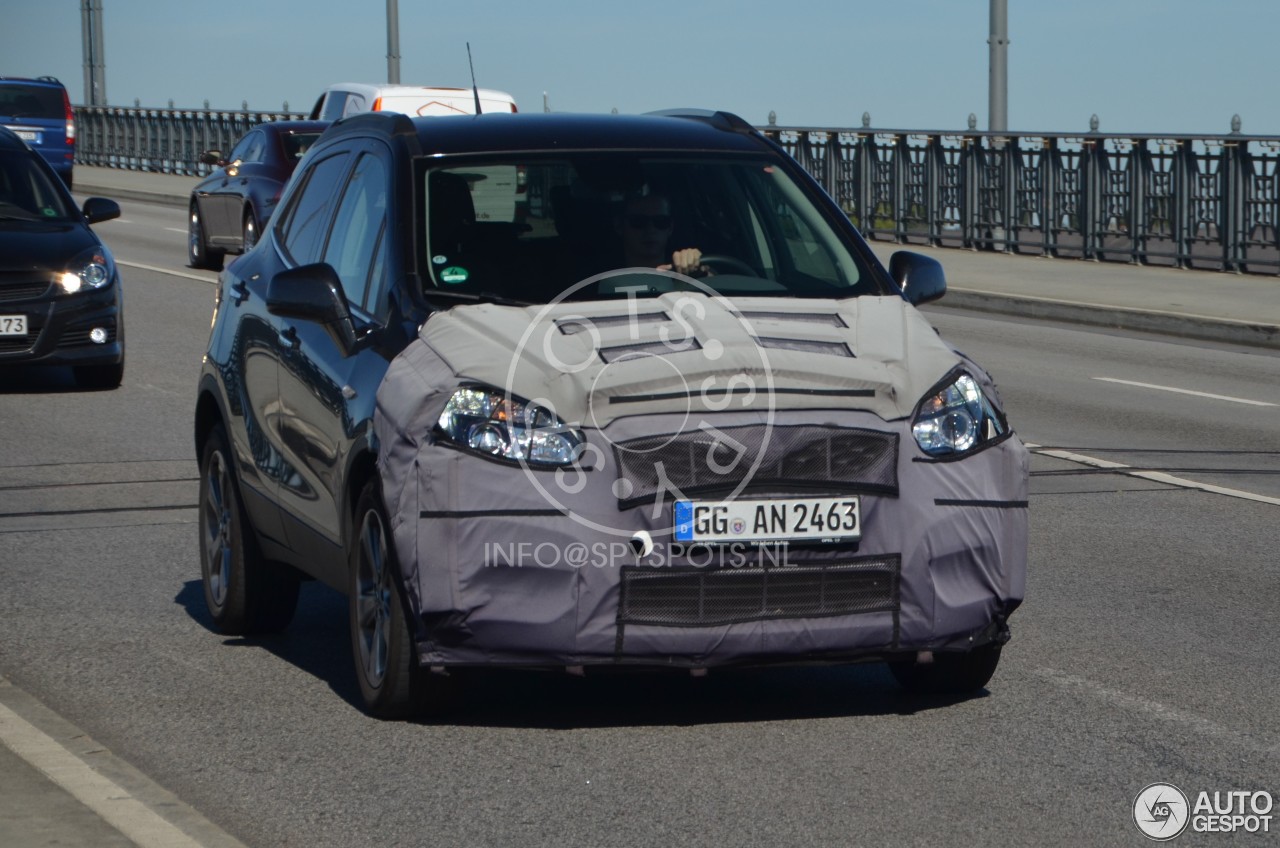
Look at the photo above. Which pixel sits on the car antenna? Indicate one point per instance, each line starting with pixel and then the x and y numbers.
pixel 474 90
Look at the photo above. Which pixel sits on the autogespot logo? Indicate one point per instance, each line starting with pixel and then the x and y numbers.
pixel 1160 811
pixel 750 387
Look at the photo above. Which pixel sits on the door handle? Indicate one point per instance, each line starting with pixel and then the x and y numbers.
pixel 240 291
pixel 289 338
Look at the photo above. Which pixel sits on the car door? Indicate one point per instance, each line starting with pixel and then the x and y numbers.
pixel 221 201
pixel 253 375
pixel 327 388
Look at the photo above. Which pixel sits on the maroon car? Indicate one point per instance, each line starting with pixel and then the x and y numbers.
pixel 231 205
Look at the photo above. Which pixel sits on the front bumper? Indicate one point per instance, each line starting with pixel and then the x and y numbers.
pixel 514 567
pixel 59 327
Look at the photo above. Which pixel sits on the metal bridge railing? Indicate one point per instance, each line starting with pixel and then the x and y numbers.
pixel 167 141
pixel 1185 201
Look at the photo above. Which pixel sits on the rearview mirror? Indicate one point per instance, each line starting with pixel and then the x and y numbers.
pixel 98 209
pixel 920 277
pixel 313 293
pixel 212 157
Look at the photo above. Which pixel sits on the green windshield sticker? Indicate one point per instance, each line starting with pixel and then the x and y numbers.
pixel 49 213
pixel 454 274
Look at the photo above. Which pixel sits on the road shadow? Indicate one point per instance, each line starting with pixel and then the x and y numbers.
pixel 317 642
pixel 39 380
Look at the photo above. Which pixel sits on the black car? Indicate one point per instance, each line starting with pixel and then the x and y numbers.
pixel 60 298
pixel 230 206
pixel 583 392
pixel 39 112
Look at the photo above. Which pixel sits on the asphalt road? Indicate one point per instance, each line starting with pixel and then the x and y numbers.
pixel 1145 651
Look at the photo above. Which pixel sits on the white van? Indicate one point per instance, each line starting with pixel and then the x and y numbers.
pixel 349 98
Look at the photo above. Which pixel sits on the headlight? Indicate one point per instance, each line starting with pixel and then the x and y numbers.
pixel 956 420
pixel 92 269
pixel 491 422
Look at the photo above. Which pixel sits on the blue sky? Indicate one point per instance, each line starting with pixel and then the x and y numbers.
pixel 1175 66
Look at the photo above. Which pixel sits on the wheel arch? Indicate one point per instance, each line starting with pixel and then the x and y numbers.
pixel 362 469
pixel 208 415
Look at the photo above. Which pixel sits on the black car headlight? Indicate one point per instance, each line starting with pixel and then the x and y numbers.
pixel 92 269
pixel 492 422
pixel 956 420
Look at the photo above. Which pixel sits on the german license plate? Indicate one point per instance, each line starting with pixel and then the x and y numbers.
pixel 27 135
pixel 13 325
pixel 772 520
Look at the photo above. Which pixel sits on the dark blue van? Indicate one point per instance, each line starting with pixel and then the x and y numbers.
pixel 39 112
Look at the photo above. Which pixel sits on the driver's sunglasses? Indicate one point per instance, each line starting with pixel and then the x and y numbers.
pixel 637 221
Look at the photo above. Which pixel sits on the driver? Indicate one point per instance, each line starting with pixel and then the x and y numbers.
pixel 644 223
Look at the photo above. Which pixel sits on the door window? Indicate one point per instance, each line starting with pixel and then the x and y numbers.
pixel 302 227
pixel 357 228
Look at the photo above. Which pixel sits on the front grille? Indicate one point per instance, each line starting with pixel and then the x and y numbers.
pixel 797 456
pixel 22 291
pixel 684 597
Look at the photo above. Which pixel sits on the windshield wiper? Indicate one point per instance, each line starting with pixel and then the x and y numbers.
pixel 477 297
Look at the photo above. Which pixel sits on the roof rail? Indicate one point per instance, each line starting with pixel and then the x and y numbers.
pixel 49 79
pixel 718 119
pixel 392 123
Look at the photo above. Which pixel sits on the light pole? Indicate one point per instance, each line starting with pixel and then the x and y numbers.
pixel 393 42
pixel 998 92
pixel 95 64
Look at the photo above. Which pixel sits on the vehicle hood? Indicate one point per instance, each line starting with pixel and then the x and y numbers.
pixel 687 352
pixel 42 246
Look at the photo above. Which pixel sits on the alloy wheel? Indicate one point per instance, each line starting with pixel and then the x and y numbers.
pixel 217 527
pixel 374 598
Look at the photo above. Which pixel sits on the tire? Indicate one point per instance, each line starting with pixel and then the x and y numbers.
pixel 99 376
pixel 949 673
pixel 249 231
pixel 392 683
pixel 245 593
pixel 199 254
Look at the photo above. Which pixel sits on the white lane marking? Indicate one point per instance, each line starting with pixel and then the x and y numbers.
pixel 1155 710
pixel 170 271
pixel 1154 476
pixel 1184 391
pixel 108 800
pixel 176 230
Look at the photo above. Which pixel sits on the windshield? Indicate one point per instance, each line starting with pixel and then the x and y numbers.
pixel 530 228
pixel 31 101
pixel 27 192
pixel 296 144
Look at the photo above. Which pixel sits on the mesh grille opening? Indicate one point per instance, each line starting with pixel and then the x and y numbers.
pixel 711 597
pixel 835 458
pixel 22 291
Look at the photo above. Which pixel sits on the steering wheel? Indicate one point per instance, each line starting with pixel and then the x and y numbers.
pixel 729 264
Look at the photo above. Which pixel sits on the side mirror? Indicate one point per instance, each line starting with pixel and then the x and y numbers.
pixel 98 209
pixel 212 157
pixel 313 293
pixel 921 277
